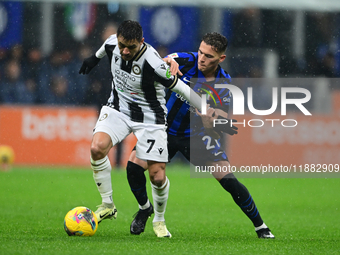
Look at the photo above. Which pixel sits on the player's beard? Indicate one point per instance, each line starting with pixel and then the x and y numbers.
pixel 211 67
pixel 126 57
pixel 202 68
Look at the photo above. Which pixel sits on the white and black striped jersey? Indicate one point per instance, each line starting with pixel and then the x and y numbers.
pixel 138 84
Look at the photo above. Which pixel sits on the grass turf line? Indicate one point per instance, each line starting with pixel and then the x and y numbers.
pixel 303 214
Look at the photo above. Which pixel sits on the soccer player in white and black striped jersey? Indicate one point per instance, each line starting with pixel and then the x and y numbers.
pixel 136 104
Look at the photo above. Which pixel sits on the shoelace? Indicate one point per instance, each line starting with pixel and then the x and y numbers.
pixel 98 206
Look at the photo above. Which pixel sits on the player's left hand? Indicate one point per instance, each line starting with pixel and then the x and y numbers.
pixel 174 66
pixel 88 64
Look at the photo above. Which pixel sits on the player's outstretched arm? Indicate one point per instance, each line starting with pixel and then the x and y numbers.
pixel 88 64
pixel 185 91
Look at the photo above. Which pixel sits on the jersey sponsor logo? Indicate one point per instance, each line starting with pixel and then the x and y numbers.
pixel 125 75
pixel 226 99
pixel 103 117
pixel 122 79
pixel 136 69
pixel 116 59
pixel 191 108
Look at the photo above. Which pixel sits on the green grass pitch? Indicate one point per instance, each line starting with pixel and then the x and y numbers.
pixel 303 214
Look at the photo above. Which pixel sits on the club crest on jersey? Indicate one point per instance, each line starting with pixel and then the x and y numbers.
pixel 136 69
pixel 103 117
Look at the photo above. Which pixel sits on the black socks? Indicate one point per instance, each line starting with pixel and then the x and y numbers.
pixel 242 198
pixel 137 182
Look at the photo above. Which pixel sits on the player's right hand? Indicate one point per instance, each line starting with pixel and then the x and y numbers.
pixel 174 66
pixel 88 64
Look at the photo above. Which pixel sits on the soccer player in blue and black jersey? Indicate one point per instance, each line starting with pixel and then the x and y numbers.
pixel 186 126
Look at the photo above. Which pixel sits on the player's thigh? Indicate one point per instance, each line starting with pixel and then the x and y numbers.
pixel 173 147
pixel 179 143
pixel 112 123
pixel 151 142
pixel 184 147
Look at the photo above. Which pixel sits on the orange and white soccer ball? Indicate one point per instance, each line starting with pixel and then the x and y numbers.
pixel 80 221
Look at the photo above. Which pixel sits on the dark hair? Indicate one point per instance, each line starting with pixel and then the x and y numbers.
pixel 130 30
pixel 217 41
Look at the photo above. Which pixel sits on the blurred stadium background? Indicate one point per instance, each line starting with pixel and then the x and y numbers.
pixel 47 108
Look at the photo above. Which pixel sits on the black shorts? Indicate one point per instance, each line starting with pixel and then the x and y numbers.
pixel 197 149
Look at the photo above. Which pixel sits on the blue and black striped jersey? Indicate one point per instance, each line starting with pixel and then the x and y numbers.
pixel 180 113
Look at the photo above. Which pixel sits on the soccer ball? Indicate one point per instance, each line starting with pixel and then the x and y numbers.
pixel 6 155
pixel 80 221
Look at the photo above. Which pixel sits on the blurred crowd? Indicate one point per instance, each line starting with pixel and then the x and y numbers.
pixel 256 29
pixel 28 77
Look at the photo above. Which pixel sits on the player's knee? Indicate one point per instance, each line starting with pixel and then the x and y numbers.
pixel 157 180
pixel 157 173
pixel 98 150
